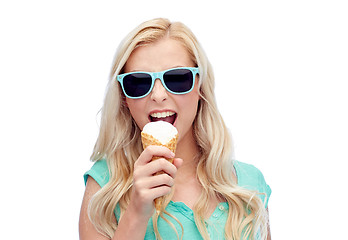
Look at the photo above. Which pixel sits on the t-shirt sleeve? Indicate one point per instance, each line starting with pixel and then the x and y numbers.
pixel 99 172
pixel 264 188
pixel 252 178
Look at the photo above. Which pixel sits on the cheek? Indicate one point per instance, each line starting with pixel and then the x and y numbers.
pixel 135 103
pixel 136 108
pixel 189 106
pixel 194 98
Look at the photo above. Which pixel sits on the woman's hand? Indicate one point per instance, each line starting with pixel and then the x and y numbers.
pixel 146 185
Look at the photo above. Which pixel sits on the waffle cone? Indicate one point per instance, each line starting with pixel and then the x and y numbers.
pixel 148 140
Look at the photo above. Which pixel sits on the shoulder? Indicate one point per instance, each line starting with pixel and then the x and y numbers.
pixel 250 177
pixel 87 229
pixel 246 172
pixel 99 172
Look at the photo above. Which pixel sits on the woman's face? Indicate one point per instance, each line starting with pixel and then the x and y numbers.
pixel 179 110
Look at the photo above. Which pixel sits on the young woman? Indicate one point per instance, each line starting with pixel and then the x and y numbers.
pixel 160 72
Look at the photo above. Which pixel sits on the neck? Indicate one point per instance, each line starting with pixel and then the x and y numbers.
pixel 187 150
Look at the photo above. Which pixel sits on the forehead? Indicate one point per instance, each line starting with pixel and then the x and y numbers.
pixel 158 56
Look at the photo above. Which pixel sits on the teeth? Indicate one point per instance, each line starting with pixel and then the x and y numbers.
pixel 162 114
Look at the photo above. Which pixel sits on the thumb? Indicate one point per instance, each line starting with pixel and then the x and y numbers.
pixel 178 162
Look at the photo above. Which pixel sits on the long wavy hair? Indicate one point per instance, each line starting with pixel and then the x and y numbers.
pixel 119 142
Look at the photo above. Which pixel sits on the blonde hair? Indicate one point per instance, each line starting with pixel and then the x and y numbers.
pixel 120 143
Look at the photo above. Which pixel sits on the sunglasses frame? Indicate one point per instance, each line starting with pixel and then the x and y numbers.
pixel 159 75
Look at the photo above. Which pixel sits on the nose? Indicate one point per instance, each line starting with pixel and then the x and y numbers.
pixel 159 93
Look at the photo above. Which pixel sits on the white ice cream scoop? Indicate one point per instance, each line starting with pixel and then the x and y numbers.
pixel 161 130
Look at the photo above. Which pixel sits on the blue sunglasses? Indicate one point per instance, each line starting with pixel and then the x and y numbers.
pixel 175 80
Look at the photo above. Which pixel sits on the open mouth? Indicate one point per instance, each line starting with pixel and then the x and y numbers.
pixel 168 116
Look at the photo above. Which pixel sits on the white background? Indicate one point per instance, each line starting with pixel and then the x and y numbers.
pixel 281 69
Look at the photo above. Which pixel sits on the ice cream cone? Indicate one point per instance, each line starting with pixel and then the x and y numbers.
pixel 147 140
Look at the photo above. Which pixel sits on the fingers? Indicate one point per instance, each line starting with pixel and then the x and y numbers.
pixel 153 179
pixel 161 165
pixel 147 196
pixel 150 151
pixel 147 185
pixel 157 181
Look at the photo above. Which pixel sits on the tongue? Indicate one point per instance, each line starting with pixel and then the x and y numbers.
pixel 169 119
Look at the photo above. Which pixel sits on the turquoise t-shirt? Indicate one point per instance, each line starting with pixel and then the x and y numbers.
pixel 248 177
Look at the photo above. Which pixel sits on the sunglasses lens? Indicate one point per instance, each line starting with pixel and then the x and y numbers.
pixel 137 84
pixel 178 80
